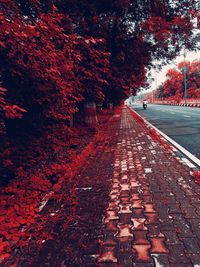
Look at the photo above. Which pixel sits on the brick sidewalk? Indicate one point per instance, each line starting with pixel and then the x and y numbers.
pixel 152 215
pixel 136 206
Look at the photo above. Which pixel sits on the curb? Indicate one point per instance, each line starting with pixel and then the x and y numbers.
pixel 183 105
pixel 189 159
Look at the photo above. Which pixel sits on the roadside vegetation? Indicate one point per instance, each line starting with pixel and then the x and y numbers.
pixel 56 56
pixel 172 88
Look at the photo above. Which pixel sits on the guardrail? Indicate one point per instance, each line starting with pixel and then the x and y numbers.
pixel 190 102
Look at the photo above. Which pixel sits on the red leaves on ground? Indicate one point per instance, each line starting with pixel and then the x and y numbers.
pixel 136 116
pixel 152 132
pixel 156 136
pixel 53 61
pixel 196 176
pixel 21 199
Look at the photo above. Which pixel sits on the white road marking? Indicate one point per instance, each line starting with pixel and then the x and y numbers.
pixel 186 116
pixel 194 112
pixel 179 147
pixel 177 110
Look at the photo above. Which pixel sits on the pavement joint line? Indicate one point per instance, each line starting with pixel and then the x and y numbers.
pixel 184 151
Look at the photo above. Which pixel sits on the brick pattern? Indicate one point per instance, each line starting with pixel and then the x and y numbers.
pixel 135 204
pixel 131 212
pixel 152 218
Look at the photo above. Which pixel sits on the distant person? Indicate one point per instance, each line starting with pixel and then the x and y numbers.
pixel 144 104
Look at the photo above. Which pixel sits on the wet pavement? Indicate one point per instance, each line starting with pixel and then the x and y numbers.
pixel 134 204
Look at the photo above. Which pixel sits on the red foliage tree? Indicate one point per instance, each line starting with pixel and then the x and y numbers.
pixel 135 31
pixel 45 74
pixel 54 56
pixel 173 86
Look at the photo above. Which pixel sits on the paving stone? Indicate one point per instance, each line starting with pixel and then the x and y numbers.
pixel 154 231
pixel 136 204
pixel 124 209
pixel 109 234
pixel 183 228
pixel 158 246
pixel 125 259
pixel 194 258
pixel 138 224
pixel 177 254
pixel 162 210
pixel 171 237
pixel 175 209
pixel 136 196
pixel 140 238
pixel 108 255
pixel 124 193
pixel 147 192
pixel 124 200
pixel 111 215
pixel 112 225
pixel 147 199
pixel 125 218
pixel 138 213
pixel 194 223
pixel 124 246
pixel 149 208
pixel 167 225
pixel 142 253
pixel 151 218
pixel 194 200
pixel 191 245
pixel 124 230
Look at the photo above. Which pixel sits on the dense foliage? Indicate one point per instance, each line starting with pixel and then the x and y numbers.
pixel 55 55
pixel 173 87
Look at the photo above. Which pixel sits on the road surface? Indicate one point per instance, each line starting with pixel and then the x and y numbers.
pixel 182 124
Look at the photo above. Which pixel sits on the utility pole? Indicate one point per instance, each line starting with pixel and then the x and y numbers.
pixel 156 81
pixel 184 76
pixel 156 84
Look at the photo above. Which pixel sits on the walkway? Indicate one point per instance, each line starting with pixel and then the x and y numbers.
pixel 135 204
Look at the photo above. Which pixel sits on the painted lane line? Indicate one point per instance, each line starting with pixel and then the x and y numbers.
pixel 186 116
pixel 194 113
pixel 176 145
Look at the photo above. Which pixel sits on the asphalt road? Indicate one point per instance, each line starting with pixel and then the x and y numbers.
pixel 182 124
